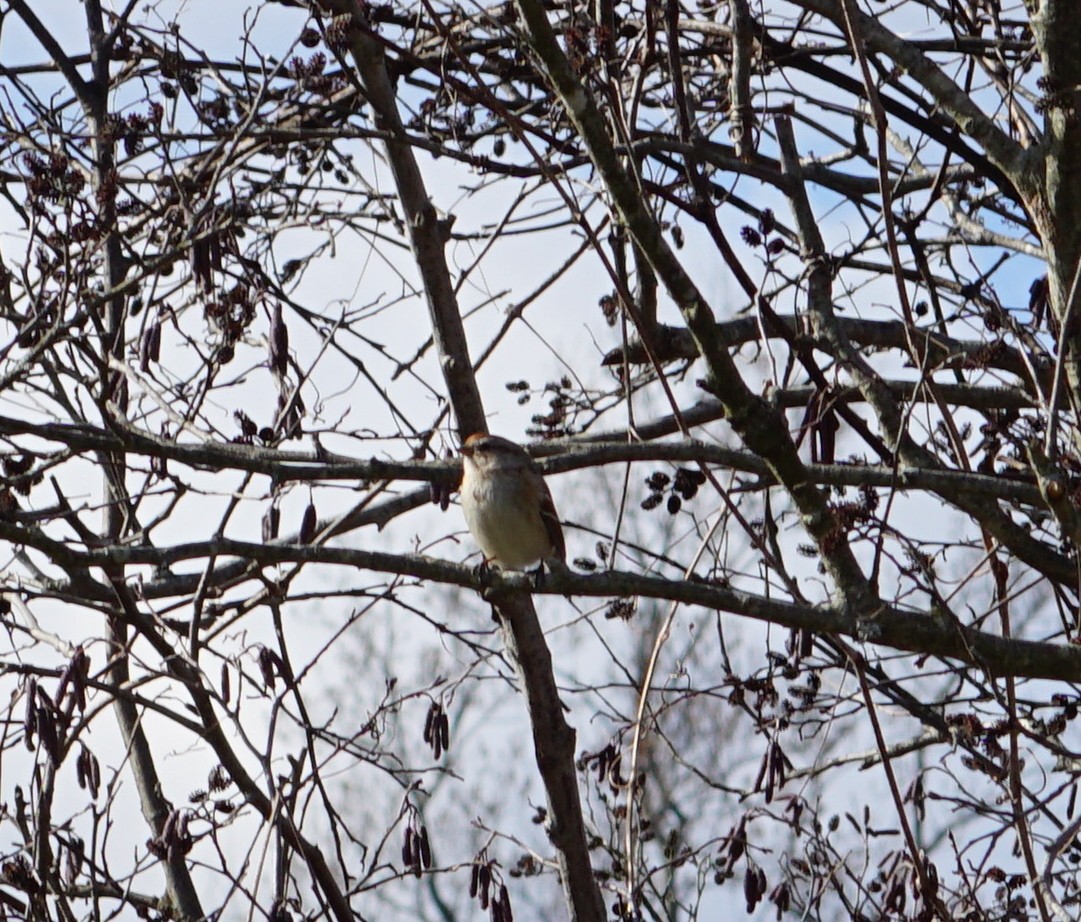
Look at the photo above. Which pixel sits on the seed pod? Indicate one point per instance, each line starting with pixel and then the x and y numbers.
pixel 95 773
pixel 225 683
pixel 407 847
pixel 429 722
pixel 200 263
pixel 150 345
pixel 45 700
pixel 80 672
pixel 271 521
pixel 47 733
pixel 279 342
pixel 504 901
pixel 443 725
pixel 474 880
pixel 29 716
pixel 652 501
pixel 247 425
pixel 781 897
pixel 738 844
pixel 308 524
pixel 425 848
pixel 218 779
pixel 65 681
pixel 416 859
pixel 750 889
pixel 614 777
pixel 266 667
pixel 485 883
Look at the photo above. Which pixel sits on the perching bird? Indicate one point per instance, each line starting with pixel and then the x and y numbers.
pixel 508 506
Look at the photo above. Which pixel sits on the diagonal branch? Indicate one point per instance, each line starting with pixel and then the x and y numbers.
pixel 553 738
pixel 761 427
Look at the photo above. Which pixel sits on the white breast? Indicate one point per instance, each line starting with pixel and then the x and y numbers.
pixel 505 521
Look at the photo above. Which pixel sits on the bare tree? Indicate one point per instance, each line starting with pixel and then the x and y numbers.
pixel 798 281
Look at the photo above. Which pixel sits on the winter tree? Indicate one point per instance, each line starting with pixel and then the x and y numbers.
pixel 783 296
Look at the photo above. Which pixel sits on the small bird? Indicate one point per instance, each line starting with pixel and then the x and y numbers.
pixel 508 506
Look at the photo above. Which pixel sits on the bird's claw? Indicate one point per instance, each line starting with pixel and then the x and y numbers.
pixel 483 571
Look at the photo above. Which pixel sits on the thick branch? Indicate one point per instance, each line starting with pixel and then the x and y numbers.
pixel 903 629
pixel 942 351
pixel 762 428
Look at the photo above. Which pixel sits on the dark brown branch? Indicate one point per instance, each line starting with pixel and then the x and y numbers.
pixel 677 343
pixel 885 625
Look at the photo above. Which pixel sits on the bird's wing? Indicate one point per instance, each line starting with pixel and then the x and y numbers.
pixel 551 523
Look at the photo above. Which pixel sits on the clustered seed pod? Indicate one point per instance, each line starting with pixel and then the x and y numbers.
pixel 175 840
pixel 17 872
pixel 206 258
pixel 74 855
pixel 772 770
pixel 622 609
pixel 271 665
pixel 290 416
pixel 218 780
pixel 437 729
pixel 734 848
pixel 684 487
pixel 606 762
pixel 756 237
pixel 18 470
pixel 416 849
pixel 248 429
pixel 439 494
pixel 48 729
pixel 56 179
pixel 75 676
pixel 557 422
pixel 88 771
pixel 488 888
pixel 754 886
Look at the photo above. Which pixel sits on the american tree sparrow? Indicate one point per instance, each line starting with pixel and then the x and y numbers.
pixel 507 505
